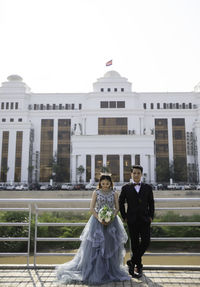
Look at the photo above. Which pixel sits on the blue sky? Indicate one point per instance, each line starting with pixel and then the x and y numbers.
pixel 63 45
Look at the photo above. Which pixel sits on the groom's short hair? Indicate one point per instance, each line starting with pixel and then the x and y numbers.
pixel 137 166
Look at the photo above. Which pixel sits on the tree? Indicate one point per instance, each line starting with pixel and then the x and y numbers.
pixel 105 169
pixel 4 172
pixel 162 170
pixel 80 171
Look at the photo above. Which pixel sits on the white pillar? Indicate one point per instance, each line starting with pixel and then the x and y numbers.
pixel 170 140
pixel 141 125
pixel 25 155
pixel 144 164
pixel 152 168
pixel 93 168
pixel 73 168
pixel 1 136
pixel 104 159
pixel 11 156
pixel 84 165
pixel 132 159
pixel 55 137
pixel 121 168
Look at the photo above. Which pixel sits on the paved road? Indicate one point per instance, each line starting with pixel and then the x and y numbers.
pixel 46 278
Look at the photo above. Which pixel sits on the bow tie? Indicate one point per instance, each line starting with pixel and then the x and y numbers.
pixel 134 184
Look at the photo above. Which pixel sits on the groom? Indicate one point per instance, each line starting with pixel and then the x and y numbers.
pixel 139 215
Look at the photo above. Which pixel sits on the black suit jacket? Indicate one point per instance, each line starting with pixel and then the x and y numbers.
pixel 140 205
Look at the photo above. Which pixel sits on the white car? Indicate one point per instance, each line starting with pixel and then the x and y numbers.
pixel 21 187
pixel 67 186
pixel 90 186
pixel 44 187
pixel 10 187
pixel 198 187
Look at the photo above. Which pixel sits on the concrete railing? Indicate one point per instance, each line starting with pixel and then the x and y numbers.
pixel 32 207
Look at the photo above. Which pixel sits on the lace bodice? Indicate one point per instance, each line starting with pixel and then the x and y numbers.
pixel 105 197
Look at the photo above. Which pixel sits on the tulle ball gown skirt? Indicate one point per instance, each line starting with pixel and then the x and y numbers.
pixel 99 259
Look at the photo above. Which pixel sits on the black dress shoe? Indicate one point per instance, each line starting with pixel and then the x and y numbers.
pixel 130 268
pixel 139 272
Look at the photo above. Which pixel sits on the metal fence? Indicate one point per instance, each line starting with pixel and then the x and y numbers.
pixel 34 209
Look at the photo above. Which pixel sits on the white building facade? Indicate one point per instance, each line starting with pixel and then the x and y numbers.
pixel 44 136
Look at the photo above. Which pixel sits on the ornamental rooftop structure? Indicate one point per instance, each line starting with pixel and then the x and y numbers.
pixel 47 136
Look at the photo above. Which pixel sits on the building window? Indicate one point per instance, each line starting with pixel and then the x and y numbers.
pixel 152 106
pixel 102 89
pixel 137 159
pixel 11 120
pixel 170 105
pixel 88 167
pixel 112 126
pixel 72 106
pixel 112 104
pixel 104 105
pixel 121 104
pixel 60 106
pixel 158 106
pixel 183 106
pixel 54 106
pixel 190 105
pixel 108 89
pixel 80 106
pixel 144 106
pixel 3 120
pixel 164 106
pixel 2 106
pixel 7 106
pixel 16 106
pixel 122 89
pixel 115 89
pixel 11 106
pixel 20 120
pixel 41 106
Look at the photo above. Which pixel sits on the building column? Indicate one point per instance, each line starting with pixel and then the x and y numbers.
pixel 104 159
pixel 144 164
pixel 170 140
pixel 73 168
pixel 92 167
pixel 84 165
pixel 11 156
pixel 132 159
pixel 1 136
pixel 25 155
pixel 55 137
pixel 121 168
pixel 152 168
pixel 141 125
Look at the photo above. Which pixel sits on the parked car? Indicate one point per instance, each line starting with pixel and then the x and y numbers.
pixel 21 187
pixel 188 187
pixel 90 186
pixel 79 186
pixel 67 186
pixel 10 187
pixel 198 187
pixel 34 186
pixel 44 187
pixel 2 186
pixel 174 186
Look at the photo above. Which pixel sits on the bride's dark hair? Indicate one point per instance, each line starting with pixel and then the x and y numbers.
pixel 107 177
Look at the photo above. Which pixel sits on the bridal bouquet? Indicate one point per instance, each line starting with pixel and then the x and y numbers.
pixel 105 214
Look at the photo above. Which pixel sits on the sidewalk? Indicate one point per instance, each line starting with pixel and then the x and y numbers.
pixel 45 277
